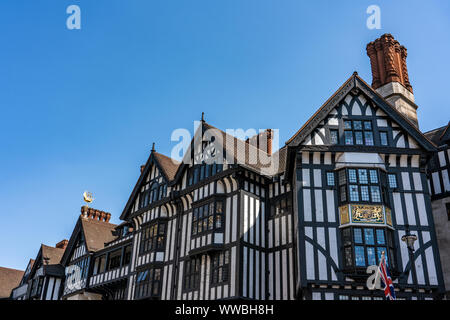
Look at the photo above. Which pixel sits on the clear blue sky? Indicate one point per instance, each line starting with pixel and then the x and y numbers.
pixel 81 108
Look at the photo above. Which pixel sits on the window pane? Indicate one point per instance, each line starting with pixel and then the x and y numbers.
pixel 368 135
pixel 218 221
pixel 357 233
pixel 342 177
pixel 380 237
pixel 365 193
pixel 343 193
pixel 334 139
pixel 368 236
pixel 381 250
pixel 346 233
pixel 383 138
pixel 347 124
pixel 354 195
pixel 357 125
pixel 368 125
pixel 348 137
pixel 371 259
pixel 373 176
pixel 330 178
pixel 219 207
pixel 352 175
pixel 348 256
pixel 360 259
pixel 358 137
pixel 362 176
pixel 392 180
pixel 375 192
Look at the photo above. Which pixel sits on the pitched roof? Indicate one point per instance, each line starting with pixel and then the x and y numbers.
pixel 246 154
pixel 356 82
pixel 51 255
pixel 9 279
pixel 97 233
pixel 168 165
pixel 439 135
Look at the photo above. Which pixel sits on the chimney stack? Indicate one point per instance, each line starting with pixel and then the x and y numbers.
pixel 62 244
pixel 94 214
pixel 390 75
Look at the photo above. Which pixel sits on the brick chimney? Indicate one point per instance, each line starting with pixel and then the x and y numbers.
pixel 62 244
pixel 390 75
pixel 262 141
pixel 94 214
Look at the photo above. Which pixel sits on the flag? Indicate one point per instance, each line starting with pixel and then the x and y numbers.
pixel 386 279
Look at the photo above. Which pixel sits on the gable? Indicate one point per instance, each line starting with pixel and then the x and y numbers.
pixel 354 99
pixel 74 242
pixel 357 107
pixel 152 185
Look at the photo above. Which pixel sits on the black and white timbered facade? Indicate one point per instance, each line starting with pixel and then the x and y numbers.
pixel 235 221
pixel 439 186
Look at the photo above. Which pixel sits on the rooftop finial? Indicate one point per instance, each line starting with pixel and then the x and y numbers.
pixel 203 117
pixel 153 147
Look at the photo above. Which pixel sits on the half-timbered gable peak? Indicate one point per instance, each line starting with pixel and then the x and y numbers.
pixel 213 150
pixel 90 234
pixel 356 116
pixel 153 183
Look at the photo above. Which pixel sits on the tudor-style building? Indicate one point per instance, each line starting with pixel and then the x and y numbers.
pixel 20 292
pixel 234 220
pixel 43 278
pixel 439 186
pixel 90 234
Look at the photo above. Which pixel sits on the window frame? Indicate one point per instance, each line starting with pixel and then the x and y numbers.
pixel 348 246
pixel 191 274
pixel 350 178
pixel 220 267
pixel 204 224
pixel 144 288
pixel 358 133
pixel 152 238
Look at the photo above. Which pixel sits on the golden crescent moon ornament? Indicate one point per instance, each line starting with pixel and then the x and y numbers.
pixel 87 196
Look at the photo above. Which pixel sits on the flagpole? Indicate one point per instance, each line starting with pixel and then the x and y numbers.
pixel 378 269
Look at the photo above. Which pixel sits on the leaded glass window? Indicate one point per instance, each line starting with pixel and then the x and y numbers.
pixel 392 181
pixel 207 217
pixel 330 178
pixel 362 246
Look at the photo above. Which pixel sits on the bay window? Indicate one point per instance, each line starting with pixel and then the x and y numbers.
pixel 363 246
pixel 362 185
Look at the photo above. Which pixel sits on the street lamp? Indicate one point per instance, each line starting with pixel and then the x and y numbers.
pixel 409 239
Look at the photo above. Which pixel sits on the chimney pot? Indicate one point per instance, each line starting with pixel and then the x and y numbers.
pixel 390 75
pixel 62 244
